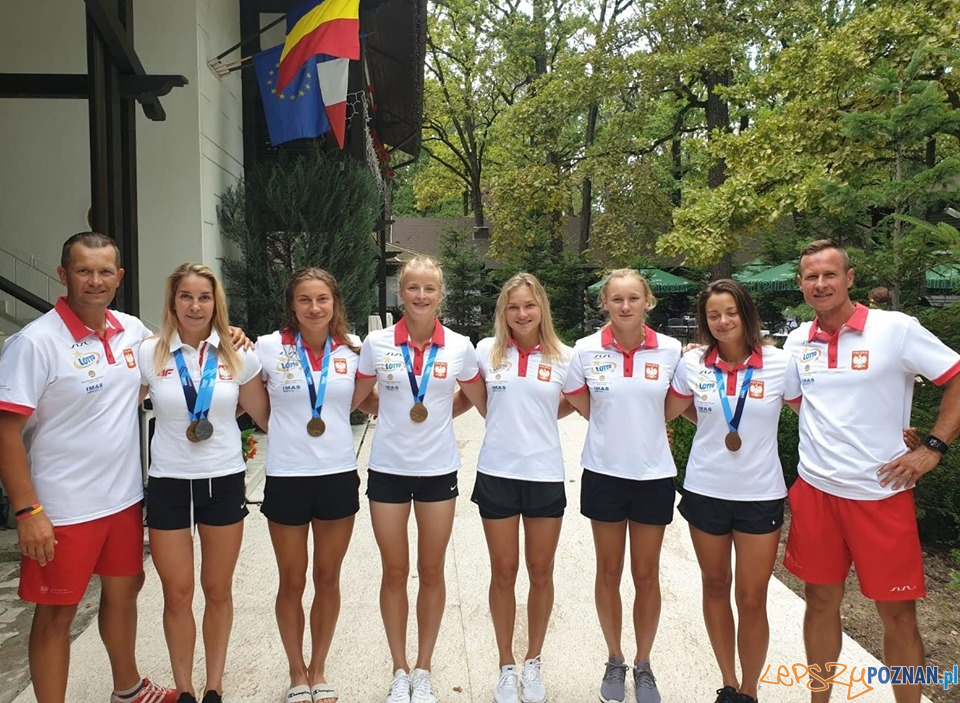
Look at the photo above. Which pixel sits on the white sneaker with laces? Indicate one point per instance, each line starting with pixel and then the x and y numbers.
pixel 507 690
pixel 532 689
pixel 399 688
pixel 420 687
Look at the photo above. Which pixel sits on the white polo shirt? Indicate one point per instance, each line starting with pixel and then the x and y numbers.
pixel 754 472
pixel 293 451
pixel 400 445
pixel 80 392
pixel 522 439
pixel 857 391
pixel 627 435
pixel 172 455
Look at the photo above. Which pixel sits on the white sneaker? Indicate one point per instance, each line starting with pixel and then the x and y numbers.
pixel 507 688
pixel 399 688
pixel 531 682
pixel 420 687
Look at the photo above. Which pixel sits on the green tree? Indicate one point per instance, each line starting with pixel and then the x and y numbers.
pixel 465 306
pixel 310 210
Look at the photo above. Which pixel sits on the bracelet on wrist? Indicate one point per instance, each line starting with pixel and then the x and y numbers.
pixel 29 511
pixel 936 444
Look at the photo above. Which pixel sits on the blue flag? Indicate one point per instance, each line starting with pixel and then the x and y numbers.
pixel 297 111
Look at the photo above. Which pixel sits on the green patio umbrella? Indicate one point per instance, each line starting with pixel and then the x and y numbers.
pixel 660 282
pixel 749 269
pixel 945 277
pixel 777 278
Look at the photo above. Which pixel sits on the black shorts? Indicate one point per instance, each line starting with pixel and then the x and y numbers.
pixel 391 488
pixel 717 516
pixel 500 498
pixel 613 499
pixel 214 501
pixel 296 500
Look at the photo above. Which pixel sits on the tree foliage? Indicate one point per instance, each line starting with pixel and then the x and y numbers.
pixel 299 211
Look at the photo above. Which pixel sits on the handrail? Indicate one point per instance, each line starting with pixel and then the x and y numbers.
pixel 24 296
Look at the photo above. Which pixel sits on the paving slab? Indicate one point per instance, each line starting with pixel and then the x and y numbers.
pixel 466 656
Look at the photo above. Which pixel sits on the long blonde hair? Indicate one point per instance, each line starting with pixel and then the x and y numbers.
pixel 549 341
pixel 227 355
pixel 628 273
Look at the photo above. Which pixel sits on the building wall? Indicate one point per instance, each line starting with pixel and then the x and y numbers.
pixel 183 163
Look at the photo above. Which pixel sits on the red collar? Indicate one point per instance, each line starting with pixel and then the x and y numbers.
pixel 755 360
pixel 649 339
pixel 75 325
pixel 525 352
pixel 857 322
pixel 400 334
pixel 288 336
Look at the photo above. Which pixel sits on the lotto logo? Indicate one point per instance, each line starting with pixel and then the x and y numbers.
pixel 544 372
pixel 651 371
pixel 340 366
pixel 860 360
pixel 440 370
pixel 756 389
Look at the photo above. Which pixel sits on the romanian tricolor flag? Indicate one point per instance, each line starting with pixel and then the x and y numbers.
pixel 330 27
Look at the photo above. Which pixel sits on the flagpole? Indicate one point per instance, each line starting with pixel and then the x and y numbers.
pixel 222 69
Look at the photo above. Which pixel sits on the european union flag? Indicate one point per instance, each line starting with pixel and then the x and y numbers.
pixel 297 111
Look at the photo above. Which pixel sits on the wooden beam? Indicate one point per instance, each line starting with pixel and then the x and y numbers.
pixel 77 85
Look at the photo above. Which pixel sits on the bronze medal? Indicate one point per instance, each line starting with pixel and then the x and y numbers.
pixel 733 441
pixel 191 432
pixel 418 413
pixel 316 427
pixel 203 430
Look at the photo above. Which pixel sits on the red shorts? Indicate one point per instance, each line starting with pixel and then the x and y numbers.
pixel 109 546
pixel 879 537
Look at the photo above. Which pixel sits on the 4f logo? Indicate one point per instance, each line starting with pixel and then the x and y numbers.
pixel 860 360
pixel 340 366
pixel 651 372
pixel 440 370
pixel 544 372
pixel 756 389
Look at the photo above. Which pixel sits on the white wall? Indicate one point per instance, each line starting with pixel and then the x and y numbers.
pixel 183 163
pixel 44 152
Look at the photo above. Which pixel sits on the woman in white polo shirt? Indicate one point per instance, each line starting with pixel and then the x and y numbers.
pixel 620 376
pixel 312 485
pixel 416 365
pixel 733 490
pixel 520 472
pixel 196 381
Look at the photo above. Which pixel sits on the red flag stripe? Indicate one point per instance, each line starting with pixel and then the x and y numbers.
pixel 340 38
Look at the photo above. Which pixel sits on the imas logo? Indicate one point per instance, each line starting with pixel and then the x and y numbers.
pixel 84 360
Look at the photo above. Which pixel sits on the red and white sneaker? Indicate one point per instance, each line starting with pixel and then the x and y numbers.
pixel 149 692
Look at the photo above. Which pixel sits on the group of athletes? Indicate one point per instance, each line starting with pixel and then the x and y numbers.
pixel 71 383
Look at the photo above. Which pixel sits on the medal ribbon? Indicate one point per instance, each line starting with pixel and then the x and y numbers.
pixel 419 390
pixel 733 418
pixel 198 401
pixel 316 394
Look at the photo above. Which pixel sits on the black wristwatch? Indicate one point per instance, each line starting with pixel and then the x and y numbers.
pixel 936 444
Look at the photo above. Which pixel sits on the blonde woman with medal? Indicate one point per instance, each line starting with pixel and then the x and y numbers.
pixel 312 486
pixel 619 377
pixel 520 473
pixel 197 381
pixel 734 490
pixel 417 366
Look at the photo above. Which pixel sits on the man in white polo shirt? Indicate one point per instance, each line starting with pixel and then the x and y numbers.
pixel 70 462
pixel 853 500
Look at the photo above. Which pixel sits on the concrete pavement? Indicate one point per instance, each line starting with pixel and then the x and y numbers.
pixel 465 668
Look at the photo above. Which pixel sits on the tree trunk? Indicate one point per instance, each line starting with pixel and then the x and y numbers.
pixel 586 208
